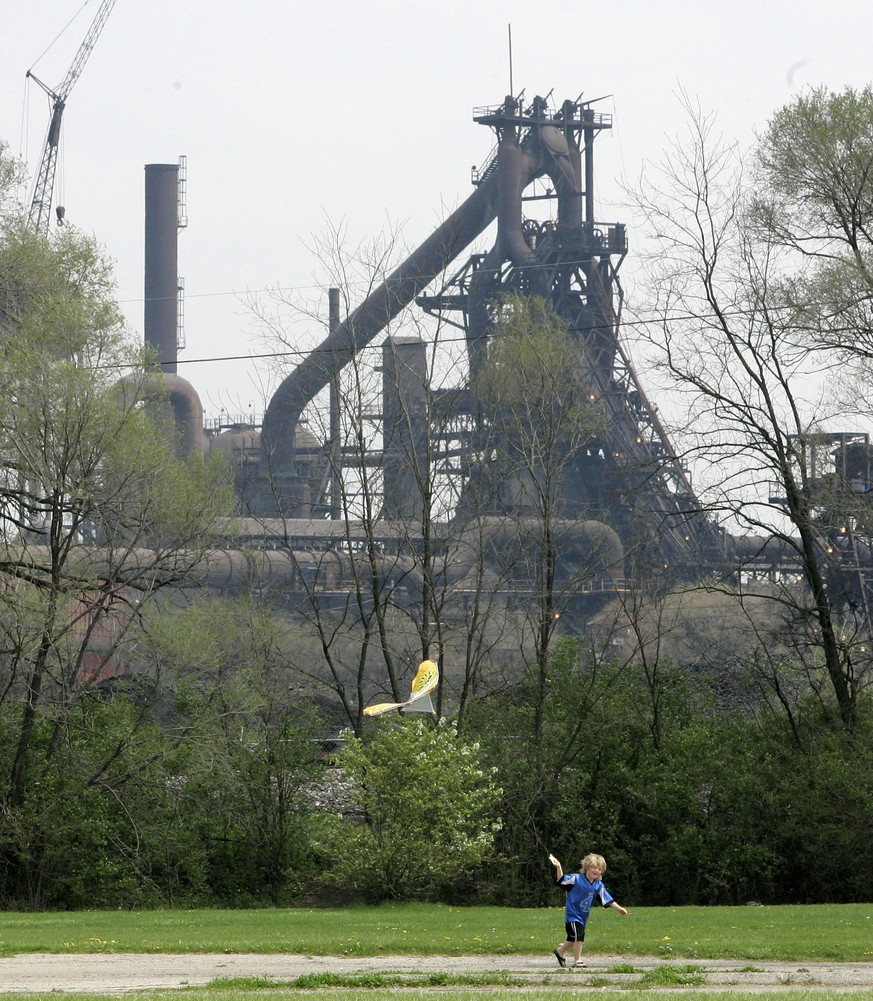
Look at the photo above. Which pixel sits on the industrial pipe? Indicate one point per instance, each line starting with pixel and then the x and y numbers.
pixel 184 400
pixel 326 362
pixel 518 166
pixel 601 545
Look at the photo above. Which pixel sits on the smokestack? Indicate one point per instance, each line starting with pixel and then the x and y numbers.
pixel 163 218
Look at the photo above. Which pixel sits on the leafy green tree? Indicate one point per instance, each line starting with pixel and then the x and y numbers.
pixel 692 812
pixel 817 791
pixel 426 808
pixel 815 197
pixel 102 824
pixel 98 512
pixel 245 731
pixel 671 791
pixel 814 200
pixel 557 797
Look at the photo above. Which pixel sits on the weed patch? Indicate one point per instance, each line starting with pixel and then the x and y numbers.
pixel 241 983
pixel 312 981
pixel 673 976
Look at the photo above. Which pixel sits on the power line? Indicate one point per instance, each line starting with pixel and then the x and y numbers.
pixel 364 283
pixel 441 340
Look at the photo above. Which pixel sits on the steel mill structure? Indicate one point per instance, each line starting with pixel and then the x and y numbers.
pixel 435 502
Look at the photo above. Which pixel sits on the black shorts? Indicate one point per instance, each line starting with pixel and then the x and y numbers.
pixel 575 931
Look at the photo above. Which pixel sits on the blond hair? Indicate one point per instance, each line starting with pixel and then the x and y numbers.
pixel 593 860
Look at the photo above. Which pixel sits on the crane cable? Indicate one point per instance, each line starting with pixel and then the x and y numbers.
pixel 53 42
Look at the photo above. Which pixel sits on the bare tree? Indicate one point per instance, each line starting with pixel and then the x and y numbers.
pixel 733 347
pixel 385 579
pixel 539 419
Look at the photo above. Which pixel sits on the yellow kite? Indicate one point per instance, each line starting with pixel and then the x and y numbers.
pixel 424 682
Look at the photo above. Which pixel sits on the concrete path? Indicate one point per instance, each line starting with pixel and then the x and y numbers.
pixel 115 973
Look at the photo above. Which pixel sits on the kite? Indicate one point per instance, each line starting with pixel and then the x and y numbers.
pixel 424 682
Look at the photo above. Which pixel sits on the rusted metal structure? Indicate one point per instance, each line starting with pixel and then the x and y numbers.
pixel 630 475
pixel 624 506
pixel 624 496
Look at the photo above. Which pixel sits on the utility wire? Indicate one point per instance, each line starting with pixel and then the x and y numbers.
pixel 434 341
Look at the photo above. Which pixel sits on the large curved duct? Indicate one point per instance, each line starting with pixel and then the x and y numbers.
pixel 499 195
pixel 185 403
pixel 516 168
pixel 325 363
pixel 551 153
pixel 565 171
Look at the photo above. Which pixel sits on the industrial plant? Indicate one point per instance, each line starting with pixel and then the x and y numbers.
pixel 419 481
pixel 622 507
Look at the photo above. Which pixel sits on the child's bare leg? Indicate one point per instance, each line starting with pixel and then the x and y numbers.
pixel 577 952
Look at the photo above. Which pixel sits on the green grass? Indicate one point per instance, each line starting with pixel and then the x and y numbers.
pixel 673 976
pixel 311 981
pixel 820 932
pixel 494 994
pixel 841 933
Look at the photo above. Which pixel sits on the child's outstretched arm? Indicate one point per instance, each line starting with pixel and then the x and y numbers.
pixel 616 906
pixel 559 872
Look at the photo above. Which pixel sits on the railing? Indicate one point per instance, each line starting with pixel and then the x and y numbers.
pixel 597 119
pixel 228 421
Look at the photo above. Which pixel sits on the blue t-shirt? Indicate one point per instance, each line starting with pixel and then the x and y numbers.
pixel 581 895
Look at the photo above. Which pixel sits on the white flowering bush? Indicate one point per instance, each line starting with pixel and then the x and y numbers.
pixel 428 810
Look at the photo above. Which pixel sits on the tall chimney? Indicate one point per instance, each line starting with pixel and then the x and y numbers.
pixel 163 218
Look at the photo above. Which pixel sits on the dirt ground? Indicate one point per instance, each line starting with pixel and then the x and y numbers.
pixel 121 972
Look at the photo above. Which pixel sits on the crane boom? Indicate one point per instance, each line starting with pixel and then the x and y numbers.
pixel 43 189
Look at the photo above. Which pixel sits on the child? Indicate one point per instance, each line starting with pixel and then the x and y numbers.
pixel 582 889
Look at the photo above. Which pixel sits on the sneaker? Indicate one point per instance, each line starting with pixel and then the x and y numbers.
pixel 560 958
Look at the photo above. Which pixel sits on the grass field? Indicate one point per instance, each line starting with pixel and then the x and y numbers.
pixel 676 936
pixel 822 932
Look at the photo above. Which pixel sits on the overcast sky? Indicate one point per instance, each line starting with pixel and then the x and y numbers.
pixel 294 113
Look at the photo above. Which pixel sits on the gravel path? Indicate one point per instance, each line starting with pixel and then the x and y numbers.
pixel 120 972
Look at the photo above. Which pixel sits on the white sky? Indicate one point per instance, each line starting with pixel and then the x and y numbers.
pixel 291 113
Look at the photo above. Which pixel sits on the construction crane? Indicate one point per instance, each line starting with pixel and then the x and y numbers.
pixel 41 203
